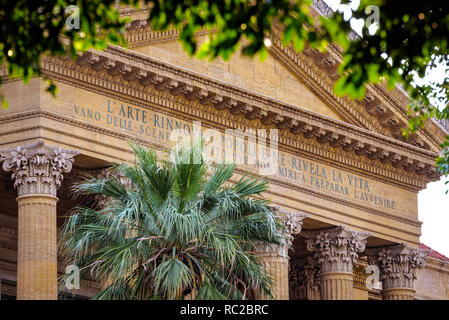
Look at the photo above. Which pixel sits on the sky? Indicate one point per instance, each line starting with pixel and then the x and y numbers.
pixel 433 202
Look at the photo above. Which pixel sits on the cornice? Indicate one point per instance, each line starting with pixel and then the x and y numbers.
pixel 144 78
pixel 380 111
pixel 387 108
pixel 140 33
pixel 304 66
pixel 437 264
pixel 428 140
pixel 136 73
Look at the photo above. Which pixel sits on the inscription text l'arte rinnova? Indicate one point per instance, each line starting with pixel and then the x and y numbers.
pixel 158 127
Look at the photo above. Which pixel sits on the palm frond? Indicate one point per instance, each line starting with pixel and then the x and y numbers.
pixel 169 229
pixel 248 186
pixel 171 277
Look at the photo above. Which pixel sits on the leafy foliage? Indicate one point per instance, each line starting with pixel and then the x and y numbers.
pixel 409 41
pixel 175 230
pixel 30 29
pixel 236 20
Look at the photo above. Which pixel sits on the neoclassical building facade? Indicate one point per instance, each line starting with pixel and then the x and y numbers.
pixel 345 185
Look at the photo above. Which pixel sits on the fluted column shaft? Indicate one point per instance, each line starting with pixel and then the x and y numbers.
pixel 336 286
pixel 276 266
pixel 37 171
pixel 276 260
pixel 336 252
pixel 37 252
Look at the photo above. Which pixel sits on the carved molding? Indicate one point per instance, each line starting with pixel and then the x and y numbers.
pixel 140 33
pixel 290 119
pixel 293 224
pixel 292 221
pixel 398 265
pixel 105 131
pixel 336 249
pixel 37 168
pixel 404 163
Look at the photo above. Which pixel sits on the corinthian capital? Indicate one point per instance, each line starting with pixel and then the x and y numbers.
pixel 398 265
pixel 292 222
pixel 37 168
pixel 336 249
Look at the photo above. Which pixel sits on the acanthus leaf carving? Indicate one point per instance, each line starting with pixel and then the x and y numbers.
pixel 292 221
pixel 293 224
pixel 37 168
pixel 336 249
pixel 398 265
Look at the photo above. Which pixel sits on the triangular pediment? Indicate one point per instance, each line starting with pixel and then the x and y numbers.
pixel 270 77
pixel 304 80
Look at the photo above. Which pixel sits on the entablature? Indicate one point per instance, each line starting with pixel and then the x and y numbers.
pixel 141 77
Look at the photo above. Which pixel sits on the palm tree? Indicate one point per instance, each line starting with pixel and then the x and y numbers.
pixel 176 227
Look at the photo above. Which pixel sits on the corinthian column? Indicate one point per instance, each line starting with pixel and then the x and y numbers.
pixel 276 259
pixel 37 171
pixel 275 263
pixel 336 251
pixel 398 265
